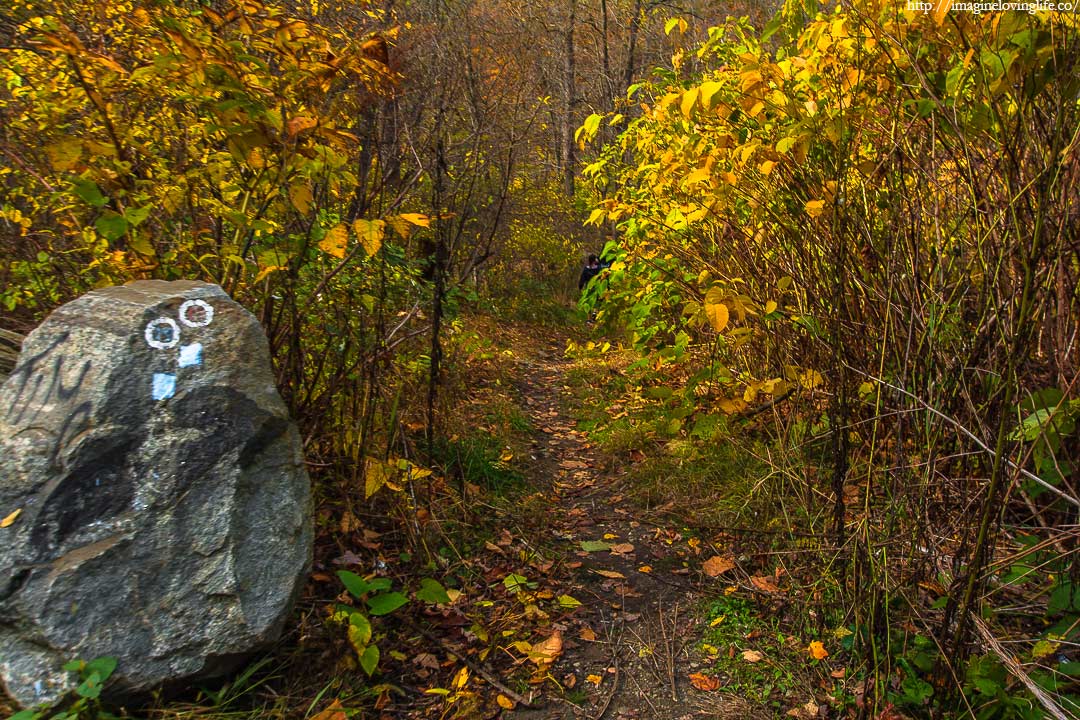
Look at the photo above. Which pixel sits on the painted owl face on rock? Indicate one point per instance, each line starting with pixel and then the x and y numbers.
pixel 164 333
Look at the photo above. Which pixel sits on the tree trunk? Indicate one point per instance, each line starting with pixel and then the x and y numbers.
pixel 569 87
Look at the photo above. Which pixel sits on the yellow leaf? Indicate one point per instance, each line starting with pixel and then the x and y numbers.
pixel 461 678
pixel 300 197
pixel 594 679
pixel 729 177
pixel 717 314
pixel 610 574
pixel 708 89
pixel 699 175
pixel 767 167
pixel 645 569
pixel 375 477
pixel 811 379
pixel 597 216
pixel 770 305
pixel 504 702
pixel 817 650
pixel 688 99
pixel 335 242
pixel 65 154
pixel 10 519
pixel 814 208
pixel 416 219
pixel 370 234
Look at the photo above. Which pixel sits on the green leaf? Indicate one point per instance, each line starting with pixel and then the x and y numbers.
pixel 89 192
pixel 23 715
pixel 432 591
pixel 369 660
pixel 386 603
pixel 90 688
pixel 594 546
pixel 136 216
pixel 103 666
pixel 112 226
pixel 515 583
pixel 356 585
pixel 379 584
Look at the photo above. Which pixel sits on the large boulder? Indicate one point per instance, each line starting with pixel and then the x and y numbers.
pixel 164 513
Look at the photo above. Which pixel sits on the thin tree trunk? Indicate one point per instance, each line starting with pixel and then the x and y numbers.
pixel 569 85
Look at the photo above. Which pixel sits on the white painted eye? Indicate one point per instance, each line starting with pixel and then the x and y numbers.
pixel 162 333
pixel 196 313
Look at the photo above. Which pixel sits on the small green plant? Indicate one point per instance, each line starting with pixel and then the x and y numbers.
pixel 380 599
pixel 93 676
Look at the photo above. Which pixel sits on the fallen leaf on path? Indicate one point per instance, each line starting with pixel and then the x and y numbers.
pixel 839 674
pixel 717 565
pixel 704 682
pixel 587 634
pixel 752 656
pixel 765 583
pixel 568 602
pixel 817 650
pixel 569 680
pixel 6 522
pixel 426 660
pixel 594 546
pixel 645 569
pixel 544 653
pixel 594 679
pixel 504 702
pixel 622 549
pixel 610 574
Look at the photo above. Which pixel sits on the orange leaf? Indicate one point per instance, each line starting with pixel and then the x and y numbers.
pixel 333 712
pixel 717 565
pixel 544 653
pixel 609 574
pixel 704 682
pixel 594 679
pixel 622 548
pixel 505 702
pixel 765 583
pixel 587 634
pixel 817 650
pixel 300 124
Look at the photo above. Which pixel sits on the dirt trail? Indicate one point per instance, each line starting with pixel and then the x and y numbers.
pixel 629 652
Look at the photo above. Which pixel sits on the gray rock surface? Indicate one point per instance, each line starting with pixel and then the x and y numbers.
pixel 165 513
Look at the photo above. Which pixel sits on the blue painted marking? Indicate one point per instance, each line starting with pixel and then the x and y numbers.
pixel 164 386
pixel 190 355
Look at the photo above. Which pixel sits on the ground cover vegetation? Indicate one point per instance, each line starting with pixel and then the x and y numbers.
pixel 835 358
